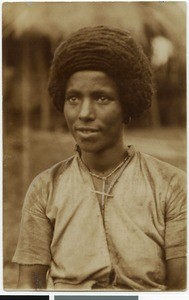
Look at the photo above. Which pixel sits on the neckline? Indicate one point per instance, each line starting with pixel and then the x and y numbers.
pixel 112 172
pixel 129 152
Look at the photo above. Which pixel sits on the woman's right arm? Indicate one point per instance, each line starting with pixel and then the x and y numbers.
pixel 32 277
pixel 33 253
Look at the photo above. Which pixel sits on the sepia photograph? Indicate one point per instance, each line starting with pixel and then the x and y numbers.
pixel 94 146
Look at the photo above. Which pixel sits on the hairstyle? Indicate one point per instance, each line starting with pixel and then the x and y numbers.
pixel 109 50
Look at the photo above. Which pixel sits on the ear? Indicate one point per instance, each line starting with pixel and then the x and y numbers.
pixel 127 119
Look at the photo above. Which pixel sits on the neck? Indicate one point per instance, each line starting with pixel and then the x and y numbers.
pixel 103 162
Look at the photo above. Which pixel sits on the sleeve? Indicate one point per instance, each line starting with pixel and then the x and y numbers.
pixel 175 222
pixel 35 230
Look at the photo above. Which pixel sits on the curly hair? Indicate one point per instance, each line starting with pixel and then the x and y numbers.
pixel 109 50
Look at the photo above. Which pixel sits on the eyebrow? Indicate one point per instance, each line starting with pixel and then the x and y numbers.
pixel 72 91
pixel 95 92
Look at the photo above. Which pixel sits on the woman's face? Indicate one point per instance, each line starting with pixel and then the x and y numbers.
pixel 93 111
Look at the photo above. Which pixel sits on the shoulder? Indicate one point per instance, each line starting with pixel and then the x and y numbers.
pixel 42 185
pixel 164 178
pixel 157 167
pixel 53 173
pixel 161 175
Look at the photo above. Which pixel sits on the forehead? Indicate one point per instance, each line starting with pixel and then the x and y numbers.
pixel 92 80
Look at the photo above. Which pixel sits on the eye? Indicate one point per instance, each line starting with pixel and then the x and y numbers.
pixel 103 99
pixel 72 99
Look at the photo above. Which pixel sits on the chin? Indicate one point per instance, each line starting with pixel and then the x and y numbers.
pixel 90 148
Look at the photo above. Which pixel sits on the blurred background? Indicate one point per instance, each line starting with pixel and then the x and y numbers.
pixel 35 134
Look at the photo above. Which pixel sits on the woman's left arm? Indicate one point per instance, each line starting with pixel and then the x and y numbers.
pixel 175 233
pixel 176 273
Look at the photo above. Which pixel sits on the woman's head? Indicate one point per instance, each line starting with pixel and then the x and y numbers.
pixel 111 51
pixel 93 112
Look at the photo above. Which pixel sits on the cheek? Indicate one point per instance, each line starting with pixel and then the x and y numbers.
pixel 114 119
pixel 69 116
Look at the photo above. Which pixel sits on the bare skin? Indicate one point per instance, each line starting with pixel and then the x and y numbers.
pixel 176 274
pixel 94 116
pixel 32 277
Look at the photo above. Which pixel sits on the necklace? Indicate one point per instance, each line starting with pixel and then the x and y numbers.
pixel 111 173
pixel 104 179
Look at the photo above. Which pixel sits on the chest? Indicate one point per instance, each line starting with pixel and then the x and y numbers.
pixel 89 202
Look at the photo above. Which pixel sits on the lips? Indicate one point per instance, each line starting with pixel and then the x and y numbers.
pixel 86 129
pixel 87 132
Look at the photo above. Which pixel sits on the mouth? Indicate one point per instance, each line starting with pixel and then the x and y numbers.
pixel 87 132
pixel 87 129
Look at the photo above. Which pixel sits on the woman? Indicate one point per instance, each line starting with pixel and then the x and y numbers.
pixel 108 217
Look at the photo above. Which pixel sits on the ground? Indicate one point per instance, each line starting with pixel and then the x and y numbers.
pixel 42 150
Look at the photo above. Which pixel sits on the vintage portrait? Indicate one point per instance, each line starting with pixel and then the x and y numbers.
pixel 94 125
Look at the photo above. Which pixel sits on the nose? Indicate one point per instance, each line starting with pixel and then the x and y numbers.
pixel 86 112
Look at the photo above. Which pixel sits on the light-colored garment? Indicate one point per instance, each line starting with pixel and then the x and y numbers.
pixel 143 225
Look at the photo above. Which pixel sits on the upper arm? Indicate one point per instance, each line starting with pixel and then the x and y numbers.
pixel 176 273
pixel 175 219
pixel 36 229
pixel 175 234
pixel 32 277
